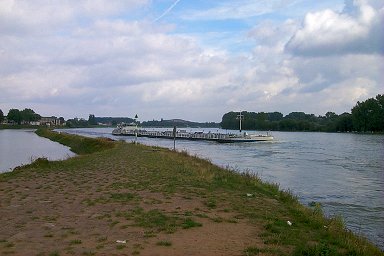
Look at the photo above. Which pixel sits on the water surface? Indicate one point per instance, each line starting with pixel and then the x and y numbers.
pixel 20 147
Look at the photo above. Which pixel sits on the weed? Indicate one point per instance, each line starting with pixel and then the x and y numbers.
pixel 164 243
pixel 102 239
pixel 218 219
pixel 189 223
pixel 9 245
pixel 202 215
pixel 156 219
pixel 322 249
pixel 113 223
pixel 76 241
pixel 90 253
pixel 251 251
pixel 100 246
pixel 148 234
pixel 122 197
pixel 211 203
pixel 55 253
pixel 120 246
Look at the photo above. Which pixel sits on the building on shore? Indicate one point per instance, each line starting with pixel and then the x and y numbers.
pixel 51 121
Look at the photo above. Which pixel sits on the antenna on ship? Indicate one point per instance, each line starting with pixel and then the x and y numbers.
pixel 240 117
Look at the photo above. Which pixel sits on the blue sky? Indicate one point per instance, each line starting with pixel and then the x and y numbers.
pixel 194 60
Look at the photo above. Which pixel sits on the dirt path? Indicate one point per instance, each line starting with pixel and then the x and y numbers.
pixel 117 204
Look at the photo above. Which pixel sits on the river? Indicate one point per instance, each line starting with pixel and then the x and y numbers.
pixel 342 171
pixel 20 147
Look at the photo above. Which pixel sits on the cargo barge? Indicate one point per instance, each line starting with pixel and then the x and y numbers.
pixel 133 130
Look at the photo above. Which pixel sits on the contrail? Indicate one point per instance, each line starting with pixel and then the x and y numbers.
pixel 168 10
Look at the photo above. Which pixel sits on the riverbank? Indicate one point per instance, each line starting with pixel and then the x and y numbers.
pixel 158 202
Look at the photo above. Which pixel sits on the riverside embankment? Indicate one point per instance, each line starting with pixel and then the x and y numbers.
pixel 133 199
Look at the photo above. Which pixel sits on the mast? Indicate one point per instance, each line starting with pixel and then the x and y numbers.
pixel 240 116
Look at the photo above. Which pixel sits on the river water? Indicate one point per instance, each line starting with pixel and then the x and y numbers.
pixel 20 147
pixel 343 172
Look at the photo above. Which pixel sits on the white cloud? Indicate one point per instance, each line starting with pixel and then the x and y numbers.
pixel 330 33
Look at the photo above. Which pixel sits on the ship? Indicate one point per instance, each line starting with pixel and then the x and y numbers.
pixel 132 129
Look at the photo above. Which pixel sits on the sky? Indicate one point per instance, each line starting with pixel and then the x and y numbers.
pixel 189 59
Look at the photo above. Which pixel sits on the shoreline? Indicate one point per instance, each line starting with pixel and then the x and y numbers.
pixel 157 201
pixel 16 127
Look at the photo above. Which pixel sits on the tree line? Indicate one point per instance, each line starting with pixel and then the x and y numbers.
pixel 366 116
pixel 20 116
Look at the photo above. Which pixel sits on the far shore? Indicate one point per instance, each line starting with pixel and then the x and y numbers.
pixel 4 127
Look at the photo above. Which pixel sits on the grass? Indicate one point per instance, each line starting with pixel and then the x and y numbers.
pixel 164 243
pixel 78 144
pixel 157 220
pixel 55 253
pixel 190 223
pixel 76 241
pixel 154 192
pixel 120 246
pixel 122 197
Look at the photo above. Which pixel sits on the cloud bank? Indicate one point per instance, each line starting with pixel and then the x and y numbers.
pixel 74 58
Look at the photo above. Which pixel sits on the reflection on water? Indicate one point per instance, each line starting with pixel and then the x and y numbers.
pixel 344 172
pixel 19 147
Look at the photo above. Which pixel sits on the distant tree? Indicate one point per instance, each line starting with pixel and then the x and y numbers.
pixel 298 116
pixel 1 116
pixel 330 115
pixel 29 115
pixel 380 114
pixel 229 121
pixel 344 123
pixel 260 123
pixel 14 115
pixel 275 116
pixel 76 122
pixel 288 125
pixel 329 122
pixel 368 115
pixel 92 119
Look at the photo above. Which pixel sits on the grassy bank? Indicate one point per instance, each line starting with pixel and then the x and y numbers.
pixel 139 200
pixel 78 144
